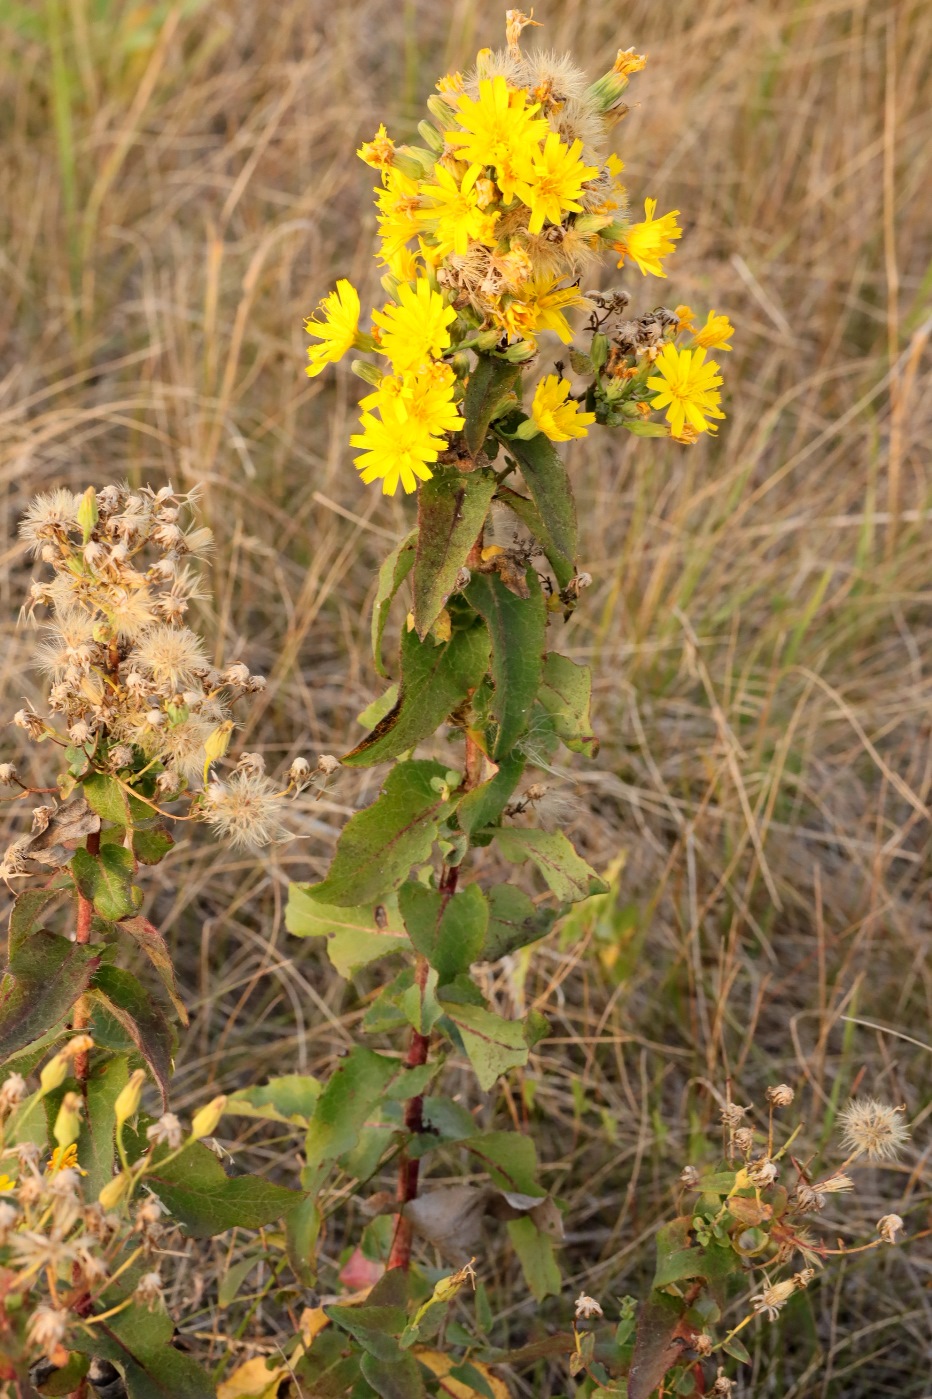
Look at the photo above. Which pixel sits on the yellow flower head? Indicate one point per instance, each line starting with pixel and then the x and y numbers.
pixel 550 301
pixel 455 215
pixel 399 206
pixel 7 1184
pixel 629 62
pixel 395 447
pixel 685 317
pixel 688 388
pixel 555 414
pixel 551 180
pixel 498 128
pixel 416 330
pixel 380 151
pixel 450 85
pixel 337 331
pixel 64 1158
pixel 647 242
pixel 715 333
pixel 426 397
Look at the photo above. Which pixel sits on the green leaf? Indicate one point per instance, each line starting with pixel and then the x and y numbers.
pixel 484 805
pixel 141 1017
pixel 492 390
pixel 105 796
pixel 150 846
pixel 569 876
pixel 378 846
pixel 566 694
pixel 434 680
pixel 25 918
pixel 106 879
pixel 375 712
pixel 95 1143
pixel 392 574
pixel 399 1380
pixel 139 1342
pixel 514 921
pixel 233 1279
pixel 510 1159
pixel 148 938
pixel 194 1187
pixel 518 629
pixel 661 1330
pixel 49 975
pixel 494 1045
pixel 451 512
pixel 351 1094
pixel 537 1257
pixel 302 1228
pixel 66 1380
pixel 449 930
pixel 291 1098
pixel 549 485
pixel 355 936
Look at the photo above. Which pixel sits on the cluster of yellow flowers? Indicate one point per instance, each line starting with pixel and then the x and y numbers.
pixel 485 232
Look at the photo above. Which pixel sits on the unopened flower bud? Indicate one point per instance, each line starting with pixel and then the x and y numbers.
pixel 88 514
pixel 204 1122
pixel 53 1074
pixel 744 1140
pixel 68 1122
pixel 114 1191
pixel 129 1098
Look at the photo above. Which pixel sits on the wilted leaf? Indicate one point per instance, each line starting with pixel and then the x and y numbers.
pixel 378 846
pixel 392 574
pixel 69 823
pixel 253 1380
pixel 456 1381
pixel 660 1338
pixel 147 937
pixel 450 1219
pixel 451 510
pixel 518 629
pixel 142 1019
pixel 569 876
pixel 566 694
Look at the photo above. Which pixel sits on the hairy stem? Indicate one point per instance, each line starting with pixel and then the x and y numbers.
pixel 418 1050
pixel 82 1013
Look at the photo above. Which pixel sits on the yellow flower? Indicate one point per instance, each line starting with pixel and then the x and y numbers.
pixel 426 397
pixel 416 330
pixel 685 318
pixel 714 334
pixel 396 447
pixel 64 1158
pixel 455 214
pixel 399 206
pixel 647 242
pixel 629 62
pixel 554 414
pixel 551 181
pixel 380 151
pixel 549 301
pixel 688 388
pixel 497 129
pixel 338 329
pixel 7 1184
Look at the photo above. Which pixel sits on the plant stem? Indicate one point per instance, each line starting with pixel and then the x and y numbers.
pixel 418 1049
pixel 82 1012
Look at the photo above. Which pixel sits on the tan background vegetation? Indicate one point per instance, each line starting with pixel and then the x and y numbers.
pixel 177 190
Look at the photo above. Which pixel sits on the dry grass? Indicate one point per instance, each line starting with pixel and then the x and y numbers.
pixel 176 191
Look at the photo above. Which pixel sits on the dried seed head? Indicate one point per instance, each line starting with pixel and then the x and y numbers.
pixel 769 1302
pixel 723 1388
pixel 246 810
pixel 873 1128
pixel 587 1308
pixel 889 1227
pixel 807 1199
pixel 763 1172
pixel 689 1177
pixel 804 1277
pixel 167 1130
pixel 8 775
pixel 327 764
pixel 781 1096
pixel 732 1116
pixel 47 1329
pixel 743 1141
pixel 299 773
pixel 253 763
pixel 835 1184
pixel 702 1344
pixel 149 1290
pixel 12 1092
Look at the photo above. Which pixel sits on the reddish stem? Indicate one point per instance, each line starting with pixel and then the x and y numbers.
pixel 418 1049
pixel 82 1012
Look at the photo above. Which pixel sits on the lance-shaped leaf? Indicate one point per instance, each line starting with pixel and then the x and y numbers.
pixel 491 392
pixel 514 921
pixel 392 574
pixel 449 930
pixel 141 1018
pixel 494 1045
pixel 484 805
pixel 536 1254
pixel 106 879
pixel 351 1094
pixel 95 1143
pixel 451 512
pixel 47 975
pixel 518 628
pixel 549 485
pixel 569 876
pixel 434 680
pixel 566 694
pixel 194 1187
pixel 378 846
pixel 355 936
pixel 147 937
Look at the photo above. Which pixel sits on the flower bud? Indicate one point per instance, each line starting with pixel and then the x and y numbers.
pixel 88 514
pixel 204 1122
pixel 68 1122
pixel 114 1191
pixel 129 1098
pixel 53 1074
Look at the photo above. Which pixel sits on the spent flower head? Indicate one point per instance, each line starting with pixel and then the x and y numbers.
pixel 874 1129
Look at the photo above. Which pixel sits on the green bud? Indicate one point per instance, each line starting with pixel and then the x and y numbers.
pixel 442 113
pixel 129 1098
pixel 430 135
pixel 599 351
pixel 68 1122
pixel 54 1074
pixel 487 339
pixel 527 430
pixel 204 1123
pixel 369 373
pixel 88 514
pixel 517 354
pixel 413 161
pixel 114 1191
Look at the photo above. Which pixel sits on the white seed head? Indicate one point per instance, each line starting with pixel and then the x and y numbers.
pixel 873 1128
pixel 587 1308
pixel 888 1227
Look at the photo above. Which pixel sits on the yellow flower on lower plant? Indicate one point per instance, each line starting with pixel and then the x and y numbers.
pixel 496 129
pixel 338 329
pixel 399 208
pixel 646 243
pixel 551 180
pixel 550 301
pixel 416 330
pixel 397 447
pixel 427 397
pixel 685 318
pixel 688 388
pixel 7 1184
pixel 380 151
pixel 64 1158
pixel 554 413
pixel 454 214
pixel 714 334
